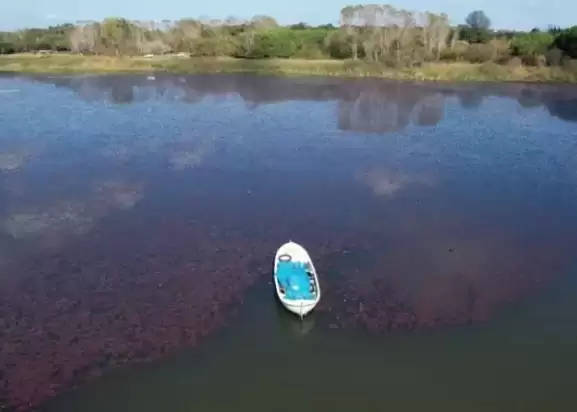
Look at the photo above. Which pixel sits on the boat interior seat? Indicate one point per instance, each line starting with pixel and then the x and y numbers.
pixel 293 278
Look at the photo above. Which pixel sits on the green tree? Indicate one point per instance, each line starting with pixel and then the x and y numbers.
pixel 478 20
pixel 477 27
pixel 116 35
pixel 185 35
pixel 534 43
pixel 378 33
pixel 338 45
pixel 567 42
pixel 277 43
pixel 470 35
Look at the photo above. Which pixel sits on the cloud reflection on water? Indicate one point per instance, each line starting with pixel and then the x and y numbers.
pixel 10 161
pixel 385 183
pixel 366 106
pixel 66 216
pixel 71 217
pixel 189 156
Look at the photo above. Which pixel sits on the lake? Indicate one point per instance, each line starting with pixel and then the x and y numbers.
pixel 140 215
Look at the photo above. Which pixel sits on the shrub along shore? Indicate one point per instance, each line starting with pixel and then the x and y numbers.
pixel 433 71
pixel 370 40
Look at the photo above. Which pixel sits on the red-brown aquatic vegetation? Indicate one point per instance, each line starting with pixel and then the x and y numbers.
pixel 371 304
pixel 70 317
pixel 383 299
pixel 123 295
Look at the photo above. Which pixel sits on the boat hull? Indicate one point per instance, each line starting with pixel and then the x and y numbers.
pixel 300 307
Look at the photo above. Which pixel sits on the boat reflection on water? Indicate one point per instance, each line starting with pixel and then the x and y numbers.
pixel 292 325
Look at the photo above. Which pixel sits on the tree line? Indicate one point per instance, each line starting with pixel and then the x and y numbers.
pixel 376 33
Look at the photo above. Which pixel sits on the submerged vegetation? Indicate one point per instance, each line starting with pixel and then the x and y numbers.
pixel 370 40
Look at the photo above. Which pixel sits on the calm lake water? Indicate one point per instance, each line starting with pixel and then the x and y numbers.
pixel 139 217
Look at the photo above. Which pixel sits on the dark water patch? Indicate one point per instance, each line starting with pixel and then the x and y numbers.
pixel 136 218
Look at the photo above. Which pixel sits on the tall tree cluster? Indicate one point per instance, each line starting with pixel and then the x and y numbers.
pixel 371 32
pixel 384 33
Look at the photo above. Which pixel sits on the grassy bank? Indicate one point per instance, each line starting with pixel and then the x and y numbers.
pixel 455 71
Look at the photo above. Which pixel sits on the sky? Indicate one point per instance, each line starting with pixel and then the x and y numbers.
pixel 511 14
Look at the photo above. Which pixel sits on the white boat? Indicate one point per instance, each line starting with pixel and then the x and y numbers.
pixel 295 279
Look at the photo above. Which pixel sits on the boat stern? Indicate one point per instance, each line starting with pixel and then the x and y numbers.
pixel 300 307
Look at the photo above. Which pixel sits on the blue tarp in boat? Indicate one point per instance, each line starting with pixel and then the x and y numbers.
pixel 293 278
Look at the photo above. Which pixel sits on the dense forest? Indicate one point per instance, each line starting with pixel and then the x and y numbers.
pixel 377 33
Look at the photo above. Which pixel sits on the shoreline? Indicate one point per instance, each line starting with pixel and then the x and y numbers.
pixel 431 72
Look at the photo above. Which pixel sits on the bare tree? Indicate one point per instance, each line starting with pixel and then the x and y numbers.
pixel 454 37
pixel 186 35
pixel 435 31
pixel 349 21
pixel 148 39
pixel 261 22
pixel 232 21
pixel 84 37
pixel 440 31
